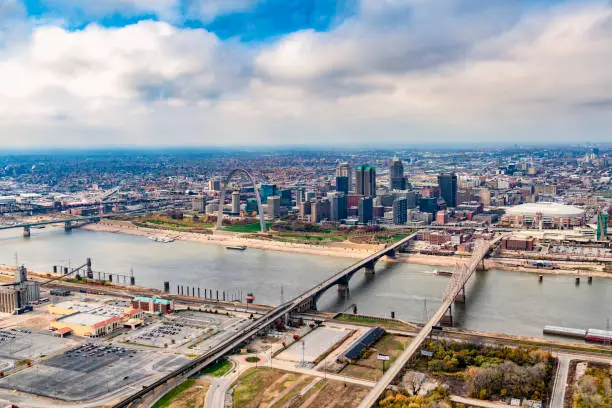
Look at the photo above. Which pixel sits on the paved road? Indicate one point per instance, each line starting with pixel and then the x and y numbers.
pixel 560 385
pixel 472 402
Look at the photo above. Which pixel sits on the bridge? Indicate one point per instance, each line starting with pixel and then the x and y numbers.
pixel 69 223
pixel 455 291
pixel 73 222
pixel 304 302
pixel 307 301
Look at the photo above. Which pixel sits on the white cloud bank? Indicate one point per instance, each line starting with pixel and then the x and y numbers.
pixel 401 71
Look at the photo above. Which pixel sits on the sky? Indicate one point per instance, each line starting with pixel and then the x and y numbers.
pixel 87 73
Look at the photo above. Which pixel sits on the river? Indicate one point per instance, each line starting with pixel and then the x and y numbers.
pixel 497 301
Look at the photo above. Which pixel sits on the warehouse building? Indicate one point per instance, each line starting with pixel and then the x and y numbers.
pixel 91 319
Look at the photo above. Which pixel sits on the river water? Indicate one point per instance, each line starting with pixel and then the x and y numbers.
pixel 497 301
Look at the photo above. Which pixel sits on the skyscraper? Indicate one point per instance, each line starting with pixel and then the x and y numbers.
pixel 400 211
pixel 344 170
pixel 365 180
pixel 235 202
pixel 274 206
pixel 338 206
pixel 342 184
pixel 285 198
pixel 397 181
pixel 365 210
pixel 448 188
pixel 267 190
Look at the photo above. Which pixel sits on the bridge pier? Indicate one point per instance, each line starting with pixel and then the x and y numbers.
pixel 68 226
pixel 447 319
pixel 481 265
pixel 460 298
pixel 26 232
pixel 369 269
pixel 343 290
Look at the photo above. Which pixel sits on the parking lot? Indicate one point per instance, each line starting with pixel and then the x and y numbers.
pixel 30 344
pixel 165 334
pixel 316 343
pixel 90 371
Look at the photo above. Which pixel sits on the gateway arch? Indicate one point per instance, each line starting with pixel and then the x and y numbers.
pixel 222 200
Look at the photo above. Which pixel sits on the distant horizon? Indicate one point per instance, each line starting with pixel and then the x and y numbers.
pixel 303 147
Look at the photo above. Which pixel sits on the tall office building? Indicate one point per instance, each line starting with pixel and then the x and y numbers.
pixel 397 181
pixel 235 202
pixel 400 211
pixel 365 180
pixel 448 188
pixel 285 198
pixel 365 210
pixel 344 170
pixel 300 196
pixel 342 184
pixel 214 184
pixel 319 210
pixel 274 206
pixel 198 204
pixel 251 206
pixel 267 190
pixel 338 206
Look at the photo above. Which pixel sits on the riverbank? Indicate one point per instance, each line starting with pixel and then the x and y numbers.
pixel 223 238
pixel 347 250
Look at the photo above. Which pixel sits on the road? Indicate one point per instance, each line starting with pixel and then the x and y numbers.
pixel 560 385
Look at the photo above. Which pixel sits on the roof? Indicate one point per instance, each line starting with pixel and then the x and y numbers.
pixel 63 330
pixel 546 209
pixel 155 299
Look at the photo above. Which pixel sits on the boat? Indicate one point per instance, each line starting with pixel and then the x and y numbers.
pixel 164 240
pixel 236 247
pixel 443 273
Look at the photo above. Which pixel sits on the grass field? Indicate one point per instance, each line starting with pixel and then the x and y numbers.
pixel 247 228
pixel 190 394
pixel 218 369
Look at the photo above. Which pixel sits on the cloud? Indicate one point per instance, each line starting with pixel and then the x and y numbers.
pixel 208 10
pixel 398 71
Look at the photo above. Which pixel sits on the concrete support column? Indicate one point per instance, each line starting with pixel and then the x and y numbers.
pixel 447 319
pixel 461 295
pixel 369 268
pixel 26 232
pixel 343 290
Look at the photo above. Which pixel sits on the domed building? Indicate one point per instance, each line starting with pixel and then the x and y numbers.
pixel 544 215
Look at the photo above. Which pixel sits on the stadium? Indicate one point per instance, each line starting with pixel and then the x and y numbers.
pixel 545 215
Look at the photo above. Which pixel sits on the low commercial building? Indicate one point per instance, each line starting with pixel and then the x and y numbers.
pixel 518 244
pixel 153 305
pixel 96 321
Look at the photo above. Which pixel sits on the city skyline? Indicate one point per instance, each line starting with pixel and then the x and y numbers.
pixel 233 73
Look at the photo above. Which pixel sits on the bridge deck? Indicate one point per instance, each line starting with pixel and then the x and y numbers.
pixel 449 298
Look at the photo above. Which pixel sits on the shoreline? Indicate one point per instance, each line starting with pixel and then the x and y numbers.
pixel 345 250
pixel 223 238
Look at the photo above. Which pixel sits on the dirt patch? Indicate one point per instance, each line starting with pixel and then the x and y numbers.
pixel 271 388
pixel 190 396
pixel 334 394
